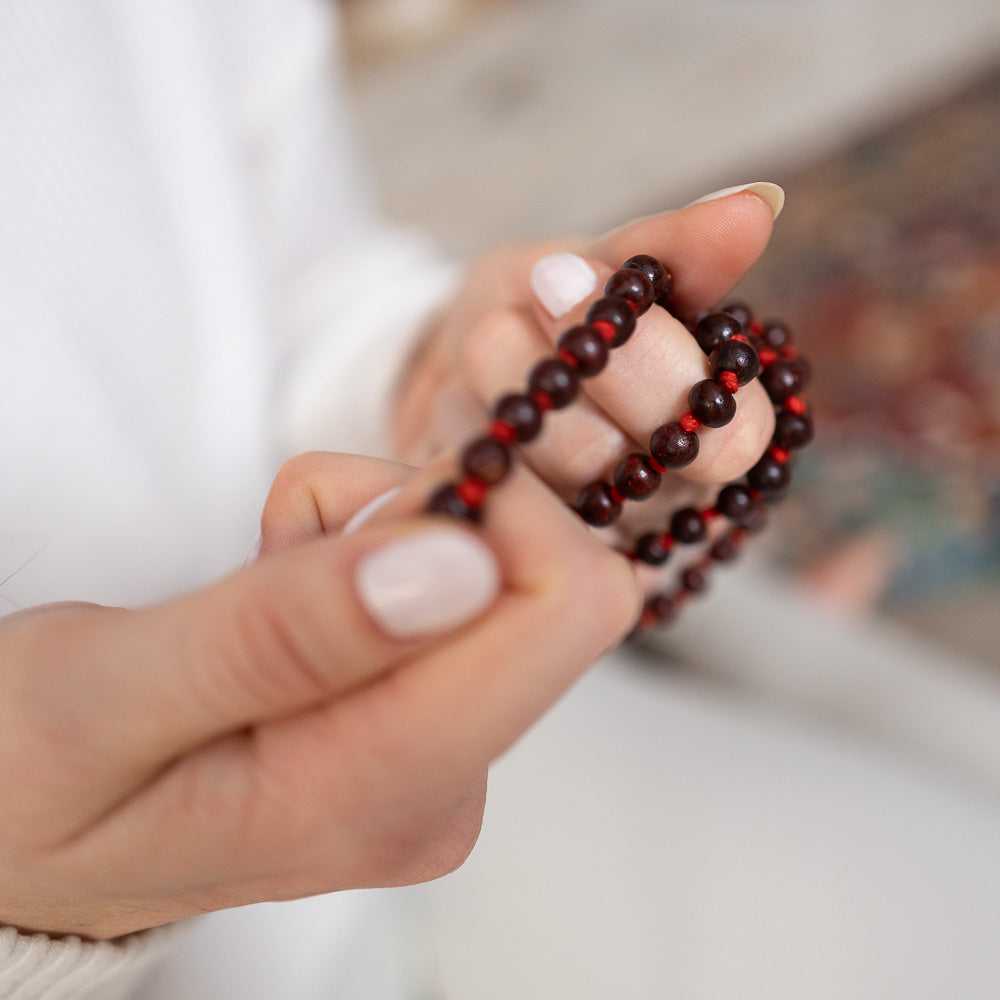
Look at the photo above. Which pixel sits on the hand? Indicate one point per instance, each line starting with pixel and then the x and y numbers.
pixel 497 328
pixel 318 721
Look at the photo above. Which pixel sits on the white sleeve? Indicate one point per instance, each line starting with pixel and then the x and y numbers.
pixel 351 293
pixel 337 388
pixel 37 967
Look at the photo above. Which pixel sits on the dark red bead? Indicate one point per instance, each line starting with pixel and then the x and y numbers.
pixel 734 501
pixel 651 550
pixel 735 356
pixel 756 520
pixel 486 459
pixel 588 347
pixel 633 286
pixel 711 403
pixel 694 579
pixel 724 550
pixel 660 278
pixel 769 476
pixel 618 313
pixel 635 478
pixel 803 369
pixel 664 608
pixel 445 500
pixel 741 312
pixel 522 413
pixel 781 380
pixel 673 447
pixel 597 506
pixel 558 380
pixel 792 430
pixel 687 526
pixel 775 334
pixel 715 329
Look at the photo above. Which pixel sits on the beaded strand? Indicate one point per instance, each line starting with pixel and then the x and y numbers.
pixel 783 374
pixel 739 347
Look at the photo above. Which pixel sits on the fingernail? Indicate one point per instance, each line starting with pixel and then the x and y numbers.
pixel 772 195
pixel 561 281
pixel 364 513
pixel 428 582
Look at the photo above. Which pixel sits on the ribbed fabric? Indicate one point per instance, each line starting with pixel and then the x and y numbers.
pixel 35 967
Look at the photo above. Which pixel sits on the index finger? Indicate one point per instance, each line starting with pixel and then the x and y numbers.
pixel 709 245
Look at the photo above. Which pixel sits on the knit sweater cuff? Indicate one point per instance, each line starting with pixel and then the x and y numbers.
pixel 35 966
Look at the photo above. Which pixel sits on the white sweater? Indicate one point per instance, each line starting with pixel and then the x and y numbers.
pixel 193 286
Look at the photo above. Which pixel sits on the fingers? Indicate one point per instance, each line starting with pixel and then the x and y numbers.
pixel 430 727
pixel 645 384
pixel 647 379
pixel 709 245
pixel 384 784
pixel 568 597
pixel 317 493
pixel 577 443
pixel 300 627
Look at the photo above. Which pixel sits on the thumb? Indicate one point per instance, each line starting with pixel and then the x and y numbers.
pixel 309 624
pixel 139 688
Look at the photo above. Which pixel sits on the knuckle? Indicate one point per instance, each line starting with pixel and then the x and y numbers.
pixel 583 447
pixel 292 478
pixel 435 847
pixel 602 590
pixel 490 340
pixel 742 442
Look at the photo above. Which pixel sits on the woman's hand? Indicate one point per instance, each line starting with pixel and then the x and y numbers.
pixel 516 302
pixel 320 720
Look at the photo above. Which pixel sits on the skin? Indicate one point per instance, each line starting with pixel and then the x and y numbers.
pixel 260 738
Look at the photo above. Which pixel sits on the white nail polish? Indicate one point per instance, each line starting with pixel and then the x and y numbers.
pixel 364 513
pixel 772 195
pixel 561 281
pixel 428 582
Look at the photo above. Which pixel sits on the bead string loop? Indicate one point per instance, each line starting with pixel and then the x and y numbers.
pixel 740 348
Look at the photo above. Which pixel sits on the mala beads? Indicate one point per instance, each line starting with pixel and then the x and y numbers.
pixel 739 348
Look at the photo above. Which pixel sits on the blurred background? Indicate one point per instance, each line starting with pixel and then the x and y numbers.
pixel 493 120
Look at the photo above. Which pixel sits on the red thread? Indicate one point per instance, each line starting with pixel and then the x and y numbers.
pixel 605 328
pixel 689 422
pixel 472 492
pixel 502 432
pixel 542 399
pixel 796 405
pixel 708 513
pixel 615 495
pixel 767 356
pixel 729 381
pixel 780 454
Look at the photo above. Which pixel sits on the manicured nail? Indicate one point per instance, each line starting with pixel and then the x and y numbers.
pixel 364 513
pixel 772 195
pixel 428 582
pixel 561 281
